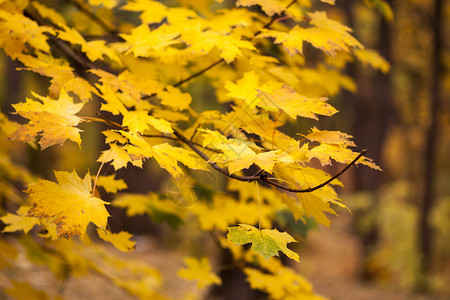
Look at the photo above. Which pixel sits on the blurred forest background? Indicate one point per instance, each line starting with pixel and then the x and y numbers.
pixel 397 240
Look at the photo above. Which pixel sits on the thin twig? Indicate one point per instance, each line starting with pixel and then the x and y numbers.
pixel 272 19
pixel 107 27
pixel 311 189
pixel 98 172
pixel 110 122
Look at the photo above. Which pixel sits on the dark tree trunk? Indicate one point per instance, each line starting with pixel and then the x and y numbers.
pixel 425 230
pixel 372 113
pixel 234 284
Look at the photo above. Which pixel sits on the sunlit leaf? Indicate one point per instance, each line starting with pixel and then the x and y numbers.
pixel 53 120
pixel 68 204
pixel 266 242
pixel 200 271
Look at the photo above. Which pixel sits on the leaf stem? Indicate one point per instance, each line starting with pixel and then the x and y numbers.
pixel 259 205
pixel 98 172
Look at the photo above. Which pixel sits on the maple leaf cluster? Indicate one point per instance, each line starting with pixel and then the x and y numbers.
pixel 140 75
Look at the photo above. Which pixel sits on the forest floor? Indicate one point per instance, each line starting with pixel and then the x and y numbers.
pixel 330 259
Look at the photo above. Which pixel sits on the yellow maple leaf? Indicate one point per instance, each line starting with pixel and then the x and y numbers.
pixel 236 154
pixel 141 40
pixel 119 240
pixel 372 58
pixel 136 204
pixel 293 104
pixel 16 31
pixel 281 282
pixel 325 152
pixel 53 120
pixel 168 157
pixel 135 121
pixel 248 86
pixel 327 35
pixel 330 137
pixel 19 221
pixel 160 124
pixel 62 75
pixel 24 290
pixel 153 11
pixel 200 271
pixel 94 49
pixel 315 207
pixel 68 204
pixel 224 211
pixel 165 154
pixel 229 45
pixel 48 12
pixel 173 97
pixel 270 7
pixel 266 242
pixel 118 157
pixel 110 4
pixel 110 184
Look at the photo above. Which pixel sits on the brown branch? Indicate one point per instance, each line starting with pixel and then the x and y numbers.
pixel 117 125
pixel 261 175
pixel 311 189
pixel 212 164
pixel 198 73
pixel 107 27
pixel 80 59
pixel 272 20
pixel 275 17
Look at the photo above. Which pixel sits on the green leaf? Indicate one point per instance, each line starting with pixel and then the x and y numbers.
pixel 266 242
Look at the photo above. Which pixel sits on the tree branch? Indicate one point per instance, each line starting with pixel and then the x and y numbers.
pixel 261 175
pixel 272 20
pixel 107 27
pixel 311 189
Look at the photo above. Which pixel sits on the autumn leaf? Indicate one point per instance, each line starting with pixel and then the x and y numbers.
pixel 294 105
pixel 248 87
pixel 330 137
pixel 327 35
pixel 200 271
pixel 325 152
pixel 152 11
pixel 229 45
pixel 316 208
pixel 94 50
pixel 62 75
pixel 118 157
pixel 53 120
pixel 19 221
pixel 68 204
pixel 119 240
pixel 24 290
pixel 18 31
pixel 161 210
pixel 165 154
pixel 281 283
pixel 110 184
pixel 373 59
pixel 48 12
pixel 270 7
pixel 173 97
pixel 142 40
pixel 266 242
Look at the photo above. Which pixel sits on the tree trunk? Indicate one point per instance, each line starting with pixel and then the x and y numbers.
pixel 425 230
pixel 373 112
